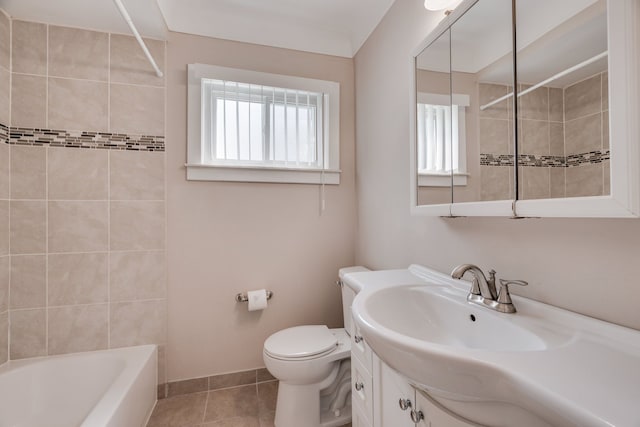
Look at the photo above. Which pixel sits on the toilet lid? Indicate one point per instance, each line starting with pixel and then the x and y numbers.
pixel 301 341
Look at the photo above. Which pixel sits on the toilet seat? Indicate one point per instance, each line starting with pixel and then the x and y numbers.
pixel 301 343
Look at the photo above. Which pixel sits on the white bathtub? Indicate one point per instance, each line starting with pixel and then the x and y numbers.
pixel 110 388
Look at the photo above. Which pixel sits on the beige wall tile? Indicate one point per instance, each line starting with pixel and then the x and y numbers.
pixel 27 333
pixel 4 337
pixel 77 328
pixel 137 275
pixel 5 275
pixel 129 63
pixel 606 176
pixel 556 179
pixel 137 109
pixel 534 105
pixel 162 364
pixel 28 172
pixel 5 172
pixel 77 279
pixel 5 40
pixel 583 98
pixel 136 175
pixel 489 92
pixel 28 227
pixel 232 380
pixel 78 174
pixel 79 54
pixel 583 135
pixel 78 105
pixel 28 281
pixel 556 105
pixel 78 226
pixel 534 137
pixel 29 48
pixel 605 130
pixel 4 227
pixel 137 225
pixel 28 101
pixel 556 139
pixel 495 183
pixel 535 183
pixel 140 322
pixel 605 91
pixel 494 136
pixel 585 180
pixel 5 90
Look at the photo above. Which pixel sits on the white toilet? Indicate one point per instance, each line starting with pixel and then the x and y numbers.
pixel 313 365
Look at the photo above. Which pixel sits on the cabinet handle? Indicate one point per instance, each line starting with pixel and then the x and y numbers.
pixel 417 416
pixel 358 339
pixel 359 386
pixel 404 404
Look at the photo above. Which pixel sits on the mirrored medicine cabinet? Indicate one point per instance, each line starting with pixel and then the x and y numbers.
pixel 528 108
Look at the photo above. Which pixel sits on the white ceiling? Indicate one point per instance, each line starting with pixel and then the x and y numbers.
pixel 334 27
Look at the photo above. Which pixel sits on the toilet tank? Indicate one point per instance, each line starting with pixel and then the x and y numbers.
pixel 348 294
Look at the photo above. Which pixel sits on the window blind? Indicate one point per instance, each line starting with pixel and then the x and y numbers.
pixel 249 124
pixel 437 138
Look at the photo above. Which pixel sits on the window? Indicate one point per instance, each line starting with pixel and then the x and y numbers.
pixel 441 139
pixel 260 127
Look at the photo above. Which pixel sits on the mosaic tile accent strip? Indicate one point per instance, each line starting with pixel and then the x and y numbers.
pixel 590 157
pixel 4 134
pixel 531 160
pixel 82 139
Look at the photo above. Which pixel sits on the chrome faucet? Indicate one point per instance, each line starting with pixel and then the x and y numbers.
pixel 483 290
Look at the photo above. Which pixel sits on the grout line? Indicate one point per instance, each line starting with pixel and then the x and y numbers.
pixel 109 238
pixel 107 82
pixel 141 251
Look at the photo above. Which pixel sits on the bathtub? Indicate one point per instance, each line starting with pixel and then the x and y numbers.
pixel 110 388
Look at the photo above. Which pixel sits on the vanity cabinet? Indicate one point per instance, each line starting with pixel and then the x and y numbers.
pixel 378 391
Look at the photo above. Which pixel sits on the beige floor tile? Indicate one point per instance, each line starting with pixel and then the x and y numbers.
pixel 179 411
pixel 231 403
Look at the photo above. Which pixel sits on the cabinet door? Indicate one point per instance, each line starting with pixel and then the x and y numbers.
pixel 393 388
pixel 436 417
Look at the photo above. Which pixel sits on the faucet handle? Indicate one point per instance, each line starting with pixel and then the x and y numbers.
pixel 503 296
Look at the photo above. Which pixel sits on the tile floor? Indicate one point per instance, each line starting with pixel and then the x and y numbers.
pixel 244 406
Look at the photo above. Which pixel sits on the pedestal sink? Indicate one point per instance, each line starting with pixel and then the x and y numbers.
pixel 542 366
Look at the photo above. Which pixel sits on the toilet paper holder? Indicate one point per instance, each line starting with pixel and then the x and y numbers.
pixel 244 298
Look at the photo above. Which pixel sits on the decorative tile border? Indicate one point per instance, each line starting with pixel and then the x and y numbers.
pixel 4 134
pixel 531 160
pixel 80 139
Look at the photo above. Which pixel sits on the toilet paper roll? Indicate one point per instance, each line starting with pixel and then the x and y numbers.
pixel 257 299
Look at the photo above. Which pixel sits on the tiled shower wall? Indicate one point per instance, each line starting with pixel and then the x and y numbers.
pixel 5 264
pixel 563 137
pixel 86 209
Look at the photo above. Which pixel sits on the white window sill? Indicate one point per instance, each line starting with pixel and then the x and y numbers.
pixel 442 180
pixel 200 172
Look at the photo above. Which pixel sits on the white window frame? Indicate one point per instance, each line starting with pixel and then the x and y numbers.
pixel 460 175
pixel 199 169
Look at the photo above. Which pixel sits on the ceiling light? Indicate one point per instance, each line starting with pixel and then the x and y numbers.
pixel 438 4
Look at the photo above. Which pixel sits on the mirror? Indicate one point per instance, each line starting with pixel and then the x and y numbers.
pixel 434 132
pixel 563 117
pixel 482 73
pixel 559 142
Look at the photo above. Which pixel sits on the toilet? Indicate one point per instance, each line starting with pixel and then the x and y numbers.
pixel 313 365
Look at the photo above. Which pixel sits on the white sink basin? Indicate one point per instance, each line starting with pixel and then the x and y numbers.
pixel 541 366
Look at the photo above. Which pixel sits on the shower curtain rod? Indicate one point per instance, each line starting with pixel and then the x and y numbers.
pixel 550 79
pixel 135 32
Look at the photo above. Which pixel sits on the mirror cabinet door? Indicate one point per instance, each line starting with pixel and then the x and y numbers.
pixel 433 123
pixel 562 93
pixel 482 83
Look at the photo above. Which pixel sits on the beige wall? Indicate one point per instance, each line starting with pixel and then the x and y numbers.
pixel 86 269
pixel 5 55
pixel 586 265
pixel 225 238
